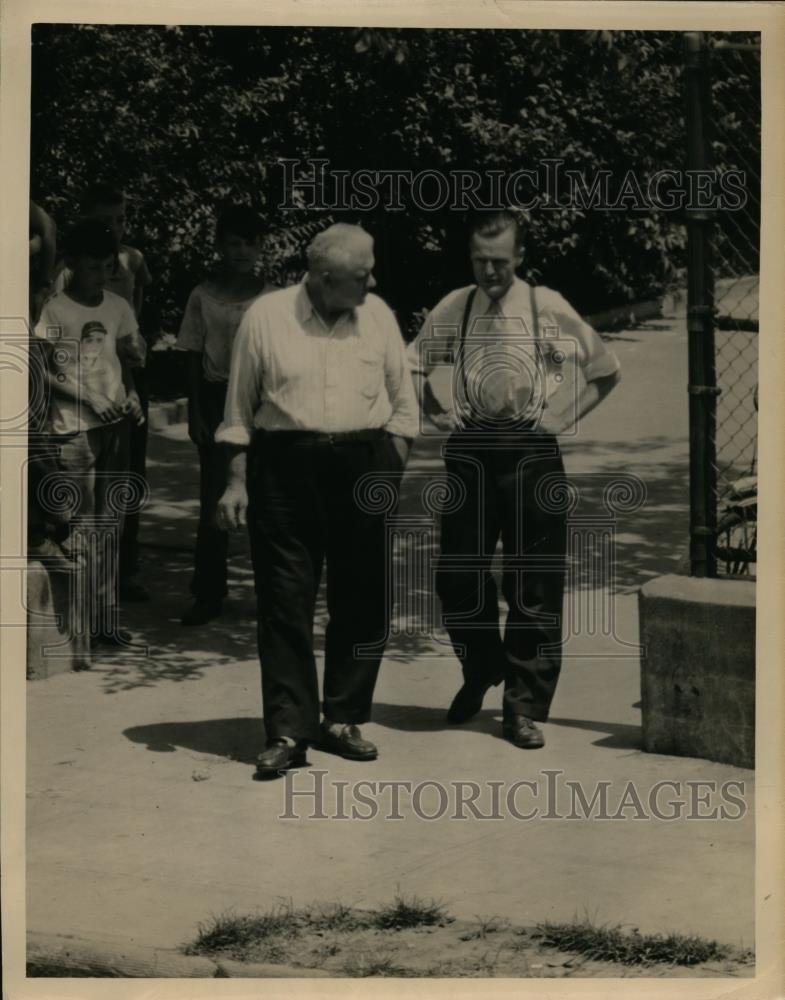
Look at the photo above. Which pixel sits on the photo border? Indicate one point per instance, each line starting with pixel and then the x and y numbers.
pixel 769 19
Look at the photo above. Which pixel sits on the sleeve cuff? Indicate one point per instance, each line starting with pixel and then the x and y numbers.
pixel 404 430
pixel 602 367
pixel 234 434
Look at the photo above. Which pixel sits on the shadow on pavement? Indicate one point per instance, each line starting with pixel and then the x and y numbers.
pixel 174 652
pixel 239 739
pixel 650 541
pixel 419 719
pixel 621 736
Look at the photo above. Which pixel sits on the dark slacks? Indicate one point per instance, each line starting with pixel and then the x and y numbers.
pixel 303 511
pixel 500 478
pixel 209 581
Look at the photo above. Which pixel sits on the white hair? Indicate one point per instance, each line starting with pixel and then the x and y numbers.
pixel 336 246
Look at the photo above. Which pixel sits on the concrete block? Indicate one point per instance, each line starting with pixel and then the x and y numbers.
pixel 698 668
pixel 52 647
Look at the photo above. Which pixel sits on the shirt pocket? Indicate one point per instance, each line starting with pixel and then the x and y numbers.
pixel 369 369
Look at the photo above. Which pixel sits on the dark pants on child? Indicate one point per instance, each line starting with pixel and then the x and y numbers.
pixel 91 469
pixel 209 581
pixel 303 510
pixel 44 520
pixel 501 478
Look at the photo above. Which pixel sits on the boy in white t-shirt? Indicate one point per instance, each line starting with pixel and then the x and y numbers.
pixel 130 278
pixel 92 342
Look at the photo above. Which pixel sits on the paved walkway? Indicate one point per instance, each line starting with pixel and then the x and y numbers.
pixel 143 819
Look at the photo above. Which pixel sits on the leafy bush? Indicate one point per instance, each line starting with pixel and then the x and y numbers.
pixel 187 117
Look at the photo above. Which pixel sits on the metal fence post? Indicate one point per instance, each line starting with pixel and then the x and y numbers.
pixel 700 323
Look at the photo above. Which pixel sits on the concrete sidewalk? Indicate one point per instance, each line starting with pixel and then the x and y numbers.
pixel 143 818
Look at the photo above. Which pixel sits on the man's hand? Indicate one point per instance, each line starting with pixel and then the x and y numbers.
pixel 104 408
pixel 232 507
pixel 198 429
pixel 133 407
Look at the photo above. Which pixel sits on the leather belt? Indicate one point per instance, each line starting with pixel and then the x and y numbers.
pixel 322 437
pixel 485 425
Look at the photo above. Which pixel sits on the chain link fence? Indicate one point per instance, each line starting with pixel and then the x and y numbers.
pixel 724 135
pixel 736 111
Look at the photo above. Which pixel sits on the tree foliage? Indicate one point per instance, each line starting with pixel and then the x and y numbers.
pixel 185 118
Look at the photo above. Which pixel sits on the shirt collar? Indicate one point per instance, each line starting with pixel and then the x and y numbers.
pixel 305 308
pixel 303 305
pixel 515 288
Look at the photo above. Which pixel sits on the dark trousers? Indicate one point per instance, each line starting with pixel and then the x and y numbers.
pixel 209 581
pixel 137 465
pixel 500 478
pixel 43 520
pixel 303 511
pixel 91 465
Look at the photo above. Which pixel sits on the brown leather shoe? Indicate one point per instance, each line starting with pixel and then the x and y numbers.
pixel 279 757
pixel 347 742
pixel 523 733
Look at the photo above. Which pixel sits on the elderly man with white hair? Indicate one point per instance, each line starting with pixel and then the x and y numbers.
pixel 319 396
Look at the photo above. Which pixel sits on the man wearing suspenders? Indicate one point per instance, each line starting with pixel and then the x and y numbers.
pixel 502 369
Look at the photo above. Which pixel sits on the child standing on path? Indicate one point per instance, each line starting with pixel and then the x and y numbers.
pixel 212 315
pixel 91 339
pixel 129 279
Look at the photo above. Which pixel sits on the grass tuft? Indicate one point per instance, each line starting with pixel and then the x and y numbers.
pixel 232 935
pixel 410 912
pixel 612 944
pixel 265 935
pixel 339 917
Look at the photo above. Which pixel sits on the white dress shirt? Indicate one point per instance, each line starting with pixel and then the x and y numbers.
pixel 508 374
pixel 291 371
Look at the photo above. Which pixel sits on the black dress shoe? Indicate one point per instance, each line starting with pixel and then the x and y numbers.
pixel 279 757
pixel 523 733
pixel 201 612
pixel 348 743
pixel 467 703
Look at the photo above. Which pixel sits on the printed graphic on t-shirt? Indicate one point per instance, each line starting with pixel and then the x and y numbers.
pixel 91 345
pixel 94 371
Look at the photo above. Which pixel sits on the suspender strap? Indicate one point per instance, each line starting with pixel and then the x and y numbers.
pixel 464 324
pixel 535 317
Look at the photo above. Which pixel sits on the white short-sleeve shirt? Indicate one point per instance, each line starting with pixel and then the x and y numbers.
pixel 86 341
pixel 509 372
